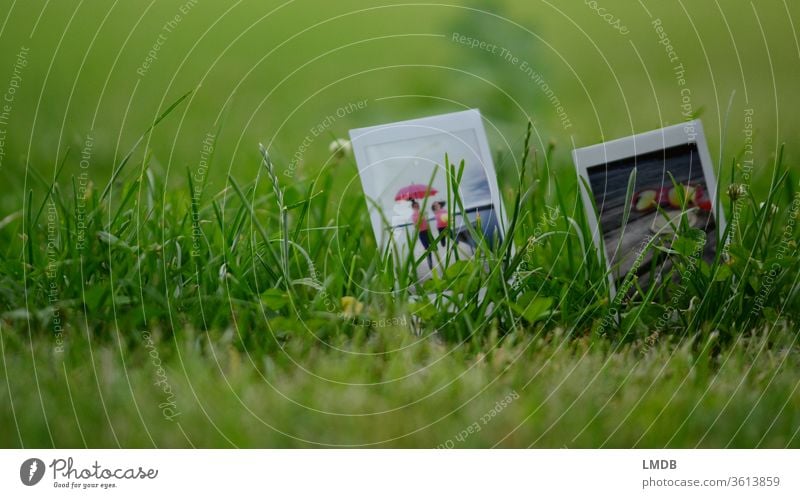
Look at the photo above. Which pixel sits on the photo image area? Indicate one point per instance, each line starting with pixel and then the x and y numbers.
pixel 402 167
pixel 673 197
pixel 663 179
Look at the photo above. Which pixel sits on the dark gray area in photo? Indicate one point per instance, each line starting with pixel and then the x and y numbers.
pixel 609 183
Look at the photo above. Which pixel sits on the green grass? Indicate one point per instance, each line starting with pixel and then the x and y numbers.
pixel 572 393
pixel 259 325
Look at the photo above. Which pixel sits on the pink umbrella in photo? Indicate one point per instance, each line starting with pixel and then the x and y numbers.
pixel 414 191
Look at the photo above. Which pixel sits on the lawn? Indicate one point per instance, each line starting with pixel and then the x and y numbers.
pixel 163 283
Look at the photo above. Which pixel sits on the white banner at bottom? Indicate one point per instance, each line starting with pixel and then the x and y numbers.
pixel 400 473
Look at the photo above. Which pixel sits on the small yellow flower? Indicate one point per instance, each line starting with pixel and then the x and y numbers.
pixel 351 307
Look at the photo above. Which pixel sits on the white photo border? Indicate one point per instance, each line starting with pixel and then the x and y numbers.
pixel 451 123
pixel 687 133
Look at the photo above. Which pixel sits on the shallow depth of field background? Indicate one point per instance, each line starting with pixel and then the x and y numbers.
pixel 270 71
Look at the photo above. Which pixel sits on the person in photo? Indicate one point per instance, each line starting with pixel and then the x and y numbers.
pixel 421 224
pixel 442 219
pixel 404 172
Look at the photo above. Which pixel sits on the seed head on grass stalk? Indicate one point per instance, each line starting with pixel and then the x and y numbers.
pixel 283 216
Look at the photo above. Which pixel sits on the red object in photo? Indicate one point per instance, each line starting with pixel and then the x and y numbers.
pixel 419 221
pixel 648 199
pixel 663 196
pixel 701 199
pixel 441 218
pixel 414 191
pixel 695 196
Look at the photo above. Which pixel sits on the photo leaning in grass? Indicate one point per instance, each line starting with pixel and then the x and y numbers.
pixel 196 251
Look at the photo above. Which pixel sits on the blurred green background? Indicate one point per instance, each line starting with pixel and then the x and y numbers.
pixel 270 71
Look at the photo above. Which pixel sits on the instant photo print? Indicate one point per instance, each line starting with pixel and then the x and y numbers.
pixel 402 169
pixel 674 178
